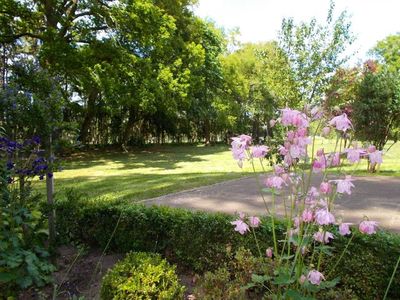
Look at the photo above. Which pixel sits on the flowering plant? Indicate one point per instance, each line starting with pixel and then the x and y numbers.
pixel 311 225
pixel 23 233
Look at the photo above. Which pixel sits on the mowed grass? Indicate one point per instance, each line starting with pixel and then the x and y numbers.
pixel 143 174
pixel 159 170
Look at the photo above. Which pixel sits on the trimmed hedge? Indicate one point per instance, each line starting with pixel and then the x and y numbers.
pixel 204 241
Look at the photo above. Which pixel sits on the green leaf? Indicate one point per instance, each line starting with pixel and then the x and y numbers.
pixel 260 278
pixel 7 277
pixel 295 295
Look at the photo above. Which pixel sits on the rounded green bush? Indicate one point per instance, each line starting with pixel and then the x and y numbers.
pixel 143 276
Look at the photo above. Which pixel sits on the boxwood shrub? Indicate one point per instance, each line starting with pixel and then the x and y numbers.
pixel 203 241
pixel 142 275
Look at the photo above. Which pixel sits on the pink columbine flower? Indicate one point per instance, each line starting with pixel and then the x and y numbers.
pixel 319 165
pixel 324 217
pixel 341 123
pixel 274 182
pixel 323 237
pixel 279 170
pixel 307 216
pixel 326 131
pixel 316 113
pixel 293 117
pixel 254 221
pixel 315 277
pixel 353 155
pixel 375 157
pixel 344 229
pixel 259 151
pixel 269 252
pixel 371 149
pixel 241 226
pixel 344 185
pixel 325 187
pixel 335 159
pixel 368 227
pixel 245 139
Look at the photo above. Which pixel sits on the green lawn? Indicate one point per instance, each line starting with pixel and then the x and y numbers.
pixel 160 170
pixel 144 174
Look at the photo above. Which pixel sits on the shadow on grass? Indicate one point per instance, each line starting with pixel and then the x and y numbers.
pixel 161 157
pixel 138 186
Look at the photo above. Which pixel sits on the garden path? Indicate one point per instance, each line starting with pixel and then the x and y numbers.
pixel 377 198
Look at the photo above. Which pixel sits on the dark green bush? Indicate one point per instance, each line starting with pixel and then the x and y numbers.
pixel 205 241
pixel 141 276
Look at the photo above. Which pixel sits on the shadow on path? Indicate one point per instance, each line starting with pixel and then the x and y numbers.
pixel 377 198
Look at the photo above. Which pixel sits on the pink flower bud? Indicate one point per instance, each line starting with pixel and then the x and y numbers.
pixel 325 187
pixel 371 149
pixel 326 131
pixel 320 152
pixel 315 277
pixel 368 227
pixel 254 221
pixel 272 123
pixel 268 252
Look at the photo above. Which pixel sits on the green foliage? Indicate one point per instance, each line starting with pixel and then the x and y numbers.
pixel 314 51
pixel 376 108
pixel 204 241
pixel 387 52
pixel 24 261
pixel 141 276
pixel 369 260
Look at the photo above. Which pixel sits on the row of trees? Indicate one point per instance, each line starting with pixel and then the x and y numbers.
pixel 134 71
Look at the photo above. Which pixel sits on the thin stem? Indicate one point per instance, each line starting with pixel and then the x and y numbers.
pixel 255 238
pixel 341 256
pixel 391 278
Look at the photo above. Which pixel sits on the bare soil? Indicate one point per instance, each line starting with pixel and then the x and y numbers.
pixel 79 274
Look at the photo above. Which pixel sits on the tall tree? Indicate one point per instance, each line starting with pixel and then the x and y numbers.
pixel 314 51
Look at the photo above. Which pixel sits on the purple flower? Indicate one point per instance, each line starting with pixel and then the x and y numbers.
pixel 368 227
pixel 259 151
pixel 241 226
pixel 341 122
pixel 344 229
pixel 323 237
pixel 324 217
pixel 10 165
pixel 315 277
pixel 254 221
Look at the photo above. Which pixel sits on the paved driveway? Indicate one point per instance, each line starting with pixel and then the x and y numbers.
pixel 377 198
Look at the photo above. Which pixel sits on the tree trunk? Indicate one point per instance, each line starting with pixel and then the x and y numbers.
pixel 90 114
pixel 128 128
pixel 50 194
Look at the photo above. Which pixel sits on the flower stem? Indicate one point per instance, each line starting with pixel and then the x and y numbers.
pixel 391 278
pixel 255 238
pixel 341 256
